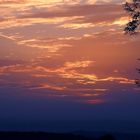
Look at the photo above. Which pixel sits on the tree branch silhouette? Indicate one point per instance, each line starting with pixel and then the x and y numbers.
pixel 137 81
pixel 133 9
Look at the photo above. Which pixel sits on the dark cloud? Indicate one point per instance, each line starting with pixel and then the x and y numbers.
pixel 84 13
pixel 7 62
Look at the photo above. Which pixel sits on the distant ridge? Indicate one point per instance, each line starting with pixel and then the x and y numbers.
pixel 41 136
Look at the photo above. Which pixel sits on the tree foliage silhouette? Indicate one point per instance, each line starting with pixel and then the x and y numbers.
pixel 137 81
pixel 133 8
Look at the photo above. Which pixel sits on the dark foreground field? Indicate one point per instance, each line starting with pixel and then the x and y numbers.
pixel 81 135
pixel 48 136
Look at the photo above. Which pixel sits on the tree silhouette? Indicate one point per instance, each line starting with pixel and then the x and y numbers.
pixel 107 137
pixel 133 8
pixel 137 81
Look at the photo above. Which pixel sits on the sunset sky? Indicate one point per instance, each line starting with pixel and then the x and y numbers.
pixel 67 60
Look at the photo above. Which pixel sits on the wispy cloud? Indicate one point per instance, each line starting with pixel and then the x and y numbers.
pixel 66 49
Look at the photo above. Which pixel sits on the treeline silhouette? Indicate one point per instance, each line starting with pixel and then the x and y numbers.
pixel 48 136
pixel 137 81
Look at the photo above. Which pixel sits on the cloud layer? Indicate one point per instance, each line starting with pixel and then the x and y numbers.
pixel 73 49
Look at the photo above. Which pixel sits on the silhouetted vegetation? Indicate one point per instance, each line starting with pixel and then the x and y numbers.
pixel 107 137
pixel 47 136
pixel 39 136
pixel 137 81
pixel 133 8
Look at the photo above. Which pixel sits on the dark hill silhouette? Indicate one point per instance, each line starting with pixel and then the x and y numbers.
pixel 107 137
pixel 48 136
pixel 40 136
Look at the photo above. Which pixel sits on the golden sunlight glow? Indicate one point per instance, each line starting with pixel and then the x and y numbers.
pixel 121 21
